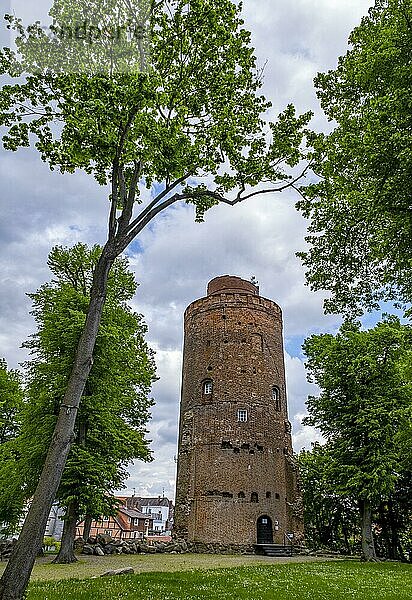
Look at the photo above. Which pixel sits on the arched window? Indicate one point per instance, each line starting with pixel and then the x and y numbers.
pixel 207 387
pixel 276 396
pixel 254 497
pixel 241 495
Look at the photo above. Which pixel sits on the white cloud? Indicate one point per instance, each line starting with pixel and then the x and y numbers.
pixel 306 435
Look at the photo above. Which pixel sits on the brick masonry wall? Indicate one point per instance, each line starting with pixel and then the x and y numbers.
pixel 230 472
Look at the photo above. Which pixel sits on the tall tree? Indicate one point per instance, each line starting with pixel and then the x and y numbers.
pixel 362 408
pixel 11 402
pixel 11 405
pixel 331 518
pixel 189 128
pixel 360 210
pixel 110 425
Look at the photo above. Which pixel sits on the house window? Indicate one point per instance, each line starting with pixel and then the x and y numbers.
pixel 207 387
pixel 268 494
pixel 241 495
pixel 254 497
pixel 242 415
pixel 276 396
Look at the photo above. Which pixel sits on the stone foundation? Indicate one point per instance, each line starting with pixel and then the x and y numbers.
pixel 219 548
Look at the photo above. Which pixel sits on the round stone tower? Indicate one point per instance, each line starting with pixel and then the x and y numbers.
pixel 237 479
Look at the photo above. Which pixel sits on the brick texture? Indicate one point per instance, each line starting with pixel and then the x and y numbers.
pixel 233 472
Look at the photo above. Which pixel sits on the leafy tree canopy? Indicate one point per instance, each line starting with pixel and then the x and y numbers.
pixel 193 120
pixel 360 210
pixel 110 425
pixel 11 405
pixel 363 410
pixel 11 402
pixel 331 518
pixel 364 404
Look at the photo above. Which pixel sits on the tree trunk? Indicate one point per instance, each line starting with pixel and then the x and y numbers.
pixel 87 527
pixel 345 533
pixel 66 552
pixel 368 546
pixel 17 573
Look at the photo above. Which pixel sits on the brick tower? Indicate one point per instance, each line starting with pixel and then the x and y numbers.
pixel 237 479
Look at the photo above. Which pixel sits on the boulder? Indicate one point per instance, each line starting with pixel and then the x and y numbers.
pixel 125 571
pixel 104 539
pixel 88 549
pixel 98 551
pixel 109 549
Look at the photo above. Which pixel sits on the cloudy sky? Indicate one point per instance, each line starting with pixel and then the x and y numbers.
pixel 177 257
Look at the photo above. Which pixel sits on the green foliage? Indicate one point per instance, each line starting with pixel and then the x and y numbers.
pixel 110 425
pixel 363 410
pixel 331 518
pixel 360 211
pixel 394 520
pixel 329 581
pixel 364 403
pixel 195 115
pixel 50 545
pixel 11 405
pixel 11 402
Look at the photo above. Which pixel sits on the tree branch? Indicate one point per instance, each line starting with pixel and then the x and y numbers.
pixel 130 198
pixel 152 204
pixel 127 238
pixel 114 202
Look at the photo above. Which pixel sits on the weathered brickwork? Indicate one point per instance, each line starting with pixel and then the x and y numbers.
pixel 237 477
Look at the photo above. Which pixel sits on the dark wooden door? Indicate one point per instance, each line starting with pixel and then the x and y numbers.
pixel 264 530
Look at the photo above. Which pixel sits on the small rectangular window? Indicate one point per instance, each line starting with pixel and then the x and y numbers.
pixel 242 416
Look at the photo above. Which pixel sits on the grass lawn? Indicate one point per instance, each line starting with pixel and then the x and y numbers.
pixel 92 566
pixel 335 580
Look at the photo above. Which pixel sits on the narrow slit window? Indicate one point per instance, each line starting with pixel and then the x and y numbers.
pixel 207 387
pixel 276 396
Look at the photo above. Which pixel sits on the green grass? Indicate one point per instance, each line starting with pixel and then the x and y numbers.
pixel 298 581
pixel 91 566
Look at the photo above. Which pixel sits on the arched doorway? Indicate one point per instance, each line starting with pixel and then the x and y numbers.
pixel 264 530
